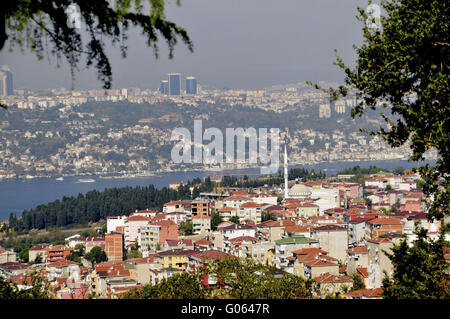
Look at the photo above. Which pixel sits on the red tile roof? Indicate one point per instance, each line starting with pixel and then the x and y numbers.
pixel 329 278
pixel 363 272
pixel 211 255
pixel 243 238
pixel 239 192
pixel 307 251
pixel 329 228
pixel 358 250
pixel 138 218
pixel 203 242
pixel 21 279
pixel 251 205
pixel 371 293
pixel 298 229
pixel 277 223
pixel 380 240
pixel 166 222
pixel 320 262
pixel 385 221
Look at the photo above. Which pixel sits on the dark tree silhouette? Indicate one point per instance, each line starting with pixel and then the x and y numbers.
pixel 47 26
pixel 402 70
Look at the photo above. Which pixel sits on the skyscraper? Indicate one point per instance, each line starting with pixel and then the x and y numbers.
pixel 6 81
pixel 164 88
pixel 174 83
pixel 191 85
pixel 3 86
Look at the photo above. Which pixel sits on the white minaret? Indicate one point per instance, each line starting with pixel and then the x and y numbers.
pixel 285 172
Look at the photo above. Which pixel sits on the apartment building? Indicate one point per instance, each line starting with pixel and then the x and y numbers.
pixel 114 246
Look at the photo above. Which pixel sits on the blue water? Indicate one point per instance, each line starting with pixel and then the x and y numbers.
pixel 18 195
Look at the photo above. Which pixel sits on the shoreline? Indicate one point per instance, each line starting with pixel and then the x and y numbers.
pixel 161 173
pixel 19 195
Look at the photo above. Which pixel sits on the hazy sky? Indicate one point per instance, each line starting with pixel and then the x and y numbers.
pixel 237 44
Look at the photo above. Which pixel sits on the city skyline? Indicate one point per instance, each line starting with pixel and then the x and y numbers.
pixel 226 55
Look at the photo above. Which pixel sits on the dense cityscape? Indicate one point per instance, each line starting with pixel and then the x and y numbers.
pixel 252 173
pixel 58 132
pixel 330 230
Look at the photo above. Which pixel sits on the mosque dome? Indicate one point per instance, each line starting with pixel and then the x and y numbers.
pixel 299 190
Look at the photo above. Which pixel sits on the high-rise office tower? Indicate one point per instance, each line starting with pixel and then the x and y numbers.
pixel 174 83
pixel 3 90
pixel 164 88
pixel 191 85
pixel 6 81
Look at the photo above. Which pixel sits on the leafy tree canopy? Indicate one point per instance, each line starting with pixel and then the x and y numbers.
pixel 402 69
pixel 46 26
pixel 357 283
pixel 420 271
pixel 96 255
pixel 235 278
pixel 39 289
pixel 216 219
pixel 187 227
pixel 267 216
pixel 235 219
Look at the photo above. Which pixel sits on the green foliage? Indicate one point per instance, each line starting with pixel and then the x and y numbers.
pixel 76 253
pixel 246 279
pixel 179 286
pixel 246 182
pixel 10 290
pixel 235 278
pixel 96 205
pixel 38 259
pixel 135 253
pixel 267 216
pixel 357 283
pixel 186 227
pixel 402 70
pixel 305 175
pixel 23 255
pixel 361 170
pixel 420 271
pixel 20 243
pixel 399 170
pixel 42 27
pixel 96 255
pixel 233 181
pixel 235 219
pixel 104 229
pixel 216 219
